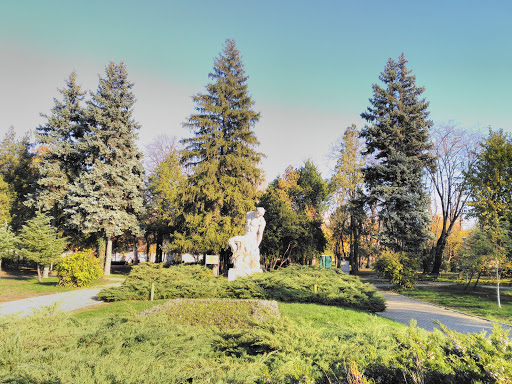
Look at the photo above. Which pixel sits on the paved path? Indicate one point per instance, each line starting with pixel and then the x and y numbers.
pixel 66 301
pixel 402 309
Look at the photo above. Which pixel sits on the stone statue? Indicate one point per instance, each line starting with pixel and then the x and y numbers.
pixel 246 251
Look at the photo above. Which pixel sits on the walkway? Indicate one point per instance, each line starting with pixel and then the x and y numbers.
pixel 66 301
pixel 402 309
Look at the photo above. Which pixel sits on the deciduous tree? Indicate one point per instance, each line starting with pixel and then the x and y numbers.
pixel 18 171
pixel 294 206
pixel 490 188
pixel 346 221
pixel 7 243
pixel 454 151
pixel 165 181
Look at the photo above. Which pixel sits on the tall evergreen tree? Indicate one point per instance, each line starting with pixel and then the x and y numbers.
pixel 107 197
pixel 398 137
pixel 221 158
pixel 60 160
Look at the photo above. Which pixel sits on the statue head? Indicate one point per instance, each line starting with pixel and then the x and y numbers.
pixel 261 211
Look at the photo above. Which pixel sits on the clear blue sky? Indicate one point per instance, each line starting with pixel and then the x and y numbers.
pixel 311 63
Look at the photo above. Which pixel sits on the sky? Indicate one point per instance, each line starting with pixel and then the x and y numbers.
pixel 311 64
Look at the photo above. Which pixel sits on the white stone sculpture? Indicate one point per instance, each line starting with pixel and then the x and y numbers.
pixel 246 251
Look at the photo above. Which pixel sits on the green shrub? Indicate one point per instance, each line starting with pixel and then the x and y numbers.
pixel 221 313
pixel 183 281
pixel 78 269
pixel 309 285
pixel 307 343
pixel 292 284
pixel 447 357
pixel 398 267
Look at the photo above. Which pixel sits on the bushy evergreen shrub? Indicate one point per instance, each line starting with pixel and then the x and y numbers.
pixel 183 281
pixel 78 269
pixel 398 267
pixel 309 285
pixel 447 357
pixel 273 350
pixel 292 284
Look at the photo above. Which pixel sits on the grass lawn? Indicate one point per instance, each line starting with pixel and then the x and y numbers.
pixel 21 287
pixel 480 302
pixel 452 277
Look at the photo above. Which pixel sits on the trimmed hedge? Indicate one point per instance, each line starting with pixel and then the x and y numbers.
pixel 292 284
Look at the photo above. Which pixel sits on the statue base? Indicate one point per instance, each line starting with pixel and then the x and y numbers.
pixel 233 273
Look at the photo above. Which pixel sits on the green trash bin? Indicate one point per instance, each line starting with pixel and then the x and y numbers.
pixel 325 261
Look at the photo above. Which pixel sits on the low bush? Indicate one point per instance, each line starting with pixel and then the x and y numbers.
pixel 309 285
pixel 292 284
pixel 183 281
pixel 398 267
pixel 223 313
pixel 308 343
pixel 447 357
pixel 78 269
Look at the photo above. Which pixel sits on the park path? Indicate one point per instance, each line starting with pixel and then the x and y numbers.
pixel 66 301
pixel 402 309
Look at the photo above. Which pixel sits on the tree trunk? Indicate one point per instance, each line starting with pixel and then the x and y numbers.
pixel 148 247
pixel 39 273
pixel 101 249
pixel 477 280
pixel 159 244
pixel 136 252
pixel 438 252
pixel 469 281
pixel 224 257
pixel 108 257
pixel 498 283
pixel 0 267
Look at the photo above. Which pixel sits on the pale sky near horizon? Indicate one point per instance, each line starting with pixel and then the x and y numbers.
pixel 311 65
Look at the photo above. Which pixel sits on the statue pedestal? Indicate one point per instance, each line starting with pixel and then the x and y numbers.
pixel 233 273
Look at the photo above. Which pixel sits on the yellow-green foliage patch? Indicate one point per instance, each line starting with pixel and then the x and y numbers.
pixel 223 314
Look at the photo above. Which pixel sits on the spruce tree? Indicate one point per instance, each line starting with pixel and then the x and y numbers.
pixel 60 160
pixel 398 137
pixel 221 158
pixel 107 198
